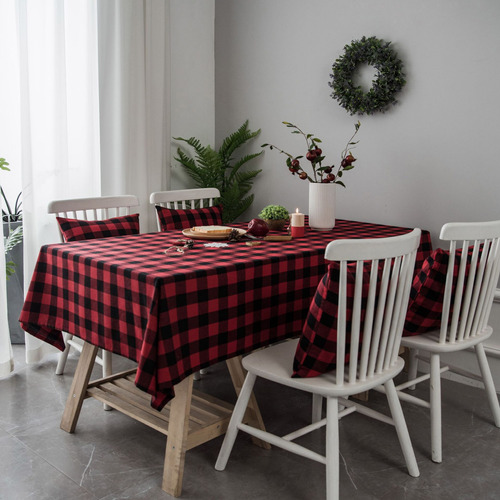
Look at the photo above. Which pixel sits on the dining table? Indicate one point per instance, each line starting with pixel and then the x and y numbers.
pixel 175 308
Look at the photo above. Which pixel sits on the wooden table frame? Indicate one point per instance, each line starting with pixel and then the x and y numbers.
pixel 190 419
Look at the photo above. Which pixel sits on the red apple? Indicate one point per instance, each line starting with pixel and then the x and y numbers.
pixel 257 227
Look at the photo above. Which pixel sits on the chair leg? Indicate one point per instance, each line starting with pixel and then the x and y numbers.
pixel 401 428
pixel 61 362
pixel 332 449
pixel 435 401
pixel 317 408
pixel 412 367
pixel 489 385
pixel 236 419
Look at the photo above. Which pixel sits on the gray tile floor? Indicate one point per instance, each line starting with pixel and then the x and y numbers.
pixel 111 456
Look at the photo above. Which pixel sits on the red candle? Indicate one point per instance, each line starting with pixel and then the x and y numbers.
pixel 297 224
pixel 298 232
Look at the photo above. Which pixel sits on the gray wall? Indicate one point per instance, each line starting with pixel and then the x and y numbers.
pixel 431 159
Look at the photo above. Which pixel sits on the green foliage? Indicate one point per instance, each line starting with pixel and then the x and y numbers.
pixel 321 173
pixel 389 81
pixel 11 215
pixel 14 238
pixel 3 164
pixel 211 168
pixel 10 269
pixel 274 212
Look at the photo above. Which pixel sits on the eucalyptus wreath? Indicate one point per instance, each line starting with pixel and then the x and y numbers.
pixel 389 80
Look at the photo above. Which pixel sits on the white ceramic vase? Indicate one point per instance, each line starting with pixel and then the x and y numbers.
pixel 321 206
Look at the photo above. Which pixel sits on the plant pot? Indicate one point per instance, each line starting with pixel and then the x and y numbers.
pixel 321 206
pixel 276 224
pixel 15 294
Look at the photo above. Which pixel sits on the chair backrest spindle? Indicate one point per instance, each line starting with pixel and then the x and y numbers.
pixel 469 293
pixel 374 285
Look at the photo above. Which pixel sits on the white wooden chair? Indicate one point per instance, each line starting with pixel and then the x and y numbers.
pixel 372 362
pixel 184 199
pixel 96 208
pixel 464 323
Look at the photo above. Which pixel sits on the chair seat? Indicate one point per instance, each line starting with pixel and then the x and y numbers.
pixel 275 363
pixel 429 341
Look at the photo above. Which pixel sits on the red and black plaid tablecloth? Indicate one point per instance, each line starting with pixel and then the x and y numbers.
pixel 175 313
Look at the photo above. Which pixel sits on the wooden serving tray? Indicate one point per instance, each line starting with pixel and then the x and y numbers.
pixel 278 237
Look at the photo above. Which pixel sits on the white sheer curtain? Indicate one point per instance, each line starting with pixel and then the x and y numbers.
pixel 133 56
pixel 92 107
pixel 59 118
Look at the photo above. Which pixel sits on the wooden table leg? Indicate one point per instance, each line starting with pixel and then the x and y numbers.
pixel 78 387
pixel 178 427
pixel 252 416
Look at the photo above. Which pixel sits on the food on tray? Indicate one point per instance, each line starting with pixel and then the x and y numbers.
pixel 212 230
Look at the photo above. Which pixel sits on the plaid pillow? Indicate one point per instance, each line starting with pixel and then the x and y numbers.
pixel 427 293
pixel 317 348
pixel 78 229
pixel 171 219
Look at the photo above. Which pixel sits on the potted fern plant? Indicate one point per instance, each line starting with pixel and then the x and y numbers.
pixel 209 167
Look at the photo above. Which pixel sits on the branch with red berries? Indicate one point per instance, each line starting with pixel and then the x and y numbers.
pixel 315 156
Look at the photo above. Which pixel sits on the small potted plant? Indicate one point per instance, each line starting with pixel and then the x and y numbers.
pixel 12 219
pixel 275 216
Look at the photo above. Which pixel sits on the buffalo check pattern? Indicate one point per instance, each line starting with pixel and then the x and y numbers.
pixel 172 219
pixel 317 348
pixel 175 313
pixel 79 229
pixel 427 293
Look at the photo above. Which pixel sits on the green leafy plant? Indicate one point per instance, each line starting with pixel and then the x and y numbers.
pixel 274 212
pixel 314 154
pixel 13 214
pixel 15 236
pixel 218 168
pixel 390 78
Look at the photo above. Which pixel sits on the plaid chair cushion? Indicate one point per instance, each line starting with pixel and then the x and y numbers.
pixel 427 293
pixel 317 348
pixel 78 229
pixel 171 219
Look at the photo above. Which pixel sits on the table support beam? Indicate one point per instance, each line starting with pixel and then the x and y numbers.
pixel 178 427
pixel 78 389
